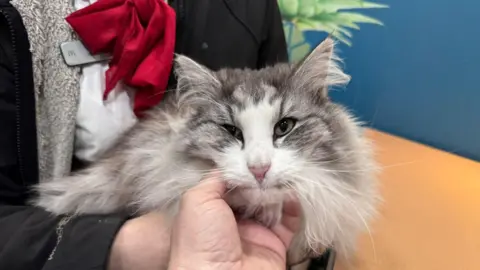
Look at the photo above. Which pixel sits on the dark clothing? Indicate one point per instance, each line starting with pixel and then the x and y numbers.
pixel 233 33
pixel 217 33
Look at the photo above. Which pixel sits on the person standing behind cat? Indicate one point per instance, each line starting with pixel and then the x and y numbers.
pixel 216 33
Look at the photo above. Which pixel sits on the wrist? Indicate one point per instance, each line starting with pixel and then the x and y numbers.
pixel 141 243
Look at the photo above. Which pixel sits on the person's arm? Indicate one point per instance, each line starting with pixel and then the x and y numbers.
pixel 274 46
pixel 33 239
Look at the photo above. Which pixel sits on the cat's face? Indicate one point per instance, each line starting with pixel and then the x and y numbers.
pixel 274 131
pixel 262 132
pixel 262 129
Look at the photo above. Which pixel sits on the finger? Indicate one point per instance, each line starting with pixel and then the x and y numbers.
pixel 259 235
pixel 284 234
pixel 291 207
pixel 291 217
pixel 290 223
pixel 211 187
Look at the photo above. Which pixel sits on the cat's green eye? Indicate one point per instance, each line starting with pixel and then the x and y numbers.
pixel 283 127
pixel 236 132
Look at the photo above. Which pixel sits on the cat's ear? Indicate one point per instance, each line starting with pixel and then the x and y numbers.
pixel 192 76
pixel 320 70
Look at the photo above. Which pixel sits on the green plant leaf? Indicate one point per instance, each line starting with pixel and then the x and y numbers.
pixel 336 5
pixel 298 48
pixel 331 16
pixel 307 24
pixel 288 8
pixel 354 17
pixel 340 33
pixel 345 19
pixel 306 8
pixel 292 9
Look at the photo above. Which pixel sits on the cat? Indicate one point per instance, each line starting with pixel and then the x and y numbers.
pixel 272 133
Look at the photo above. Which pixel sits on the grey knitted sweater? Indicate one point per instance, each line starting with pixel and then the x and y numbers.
pixel 56 84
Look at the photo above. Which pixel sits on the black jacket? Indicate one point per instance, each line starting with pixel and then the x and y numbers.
pixel 217 33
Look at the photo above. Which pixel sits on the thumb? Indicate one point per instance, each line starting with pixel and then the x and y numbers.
pixel 204 227
pixel 210 188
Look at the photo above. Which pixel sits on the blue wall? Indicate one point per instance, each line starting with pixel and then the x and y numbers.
pixel 419 75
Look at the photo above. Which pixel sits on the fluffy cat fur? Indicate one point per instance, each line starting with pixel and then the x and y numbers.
pixel 323 159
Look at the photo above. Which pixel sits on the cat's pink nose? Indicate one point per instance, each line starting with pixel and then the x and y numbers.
pixel 259 172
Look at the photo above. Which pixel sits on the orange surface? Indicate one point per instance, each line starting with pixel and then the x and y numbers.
pixel 430 217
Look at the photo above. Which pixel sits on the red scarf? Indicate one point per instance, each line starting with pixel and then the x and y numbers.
pixel 140 35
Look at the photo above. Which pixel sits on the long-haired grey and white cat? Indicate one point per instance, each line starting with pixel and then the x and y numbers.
pixel 271 132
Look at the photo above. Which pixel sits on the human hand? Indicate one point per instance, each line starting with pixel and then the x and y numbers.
pixel 206 235
pixel 142 243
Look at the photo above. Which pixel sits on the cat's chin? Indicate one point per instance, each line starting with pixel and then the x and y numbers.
pixel 251 196
pixel 261 204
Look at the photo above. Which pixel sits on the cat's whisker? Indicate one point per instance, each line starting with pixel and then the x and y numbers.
pixel 323 196
pixel 343 187
pixel 320 163
pixel 367 170
pixel 313 208
pixel 345 155
pixel 176 197
pixel 339 194
pixel 309 205
pixel 365 224
pixel 230 190
pixel 327 212
pixel 203 171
